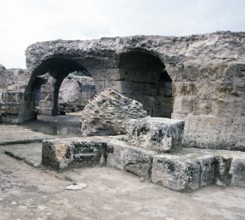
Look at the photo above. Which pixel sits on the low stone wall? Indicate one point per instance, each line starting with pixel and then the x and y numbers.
pixel 185 170
pixel 61 154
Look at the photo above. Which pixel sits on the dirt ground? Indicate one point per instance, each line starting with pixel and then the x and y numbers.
pixel 38 193
pixel 28 193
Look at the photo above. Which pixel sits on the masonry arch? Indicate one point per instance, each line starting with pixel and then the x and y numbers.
pixel 144 78
pixel 51 72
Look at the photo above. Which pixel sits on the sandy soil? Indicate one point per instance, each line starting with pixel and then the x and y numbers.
pixel 39 193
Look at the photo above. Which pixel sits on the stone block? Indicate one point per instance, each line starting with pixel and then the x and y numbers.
pixel 207 169
pixel 237 171
pixel 183 173
pixel 64 153
pixel 12 96
pixel 10 108
pixel 175 174
pixel 158 134
pixel 132 159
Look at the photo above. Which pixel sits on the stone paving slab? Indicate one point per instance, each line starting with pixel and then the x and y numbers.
pixel 14 134
pixel 29 153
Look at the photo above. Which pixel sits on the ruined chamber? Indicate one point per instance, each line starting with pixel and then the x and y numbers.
pixel 199 79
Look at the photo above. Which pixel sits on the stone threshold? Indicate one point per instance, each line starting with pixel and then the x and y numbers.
pixel 183 170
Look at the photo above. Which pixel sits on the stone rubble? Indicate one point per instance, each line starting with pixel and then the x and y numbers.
pixel 77 186
pixel 108 114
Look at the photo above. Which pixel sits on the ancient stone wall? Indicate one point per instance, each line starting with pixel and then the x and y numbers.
pixel 73 94
pixel 12 85
pixel 212 104
pixel 204 84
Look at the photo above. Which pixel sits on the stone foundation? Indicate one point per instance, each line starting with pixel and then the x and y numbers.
pixel 61 154
pixel 184 170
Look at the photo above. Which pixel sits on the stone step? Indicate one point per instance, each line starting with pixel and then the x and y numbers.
pixel 182 170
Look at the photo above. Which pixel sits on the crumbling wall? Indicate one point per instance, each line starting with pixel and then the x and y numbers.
pixel 12 85
pixel 206 74
pixel 210 98
pixel 75 92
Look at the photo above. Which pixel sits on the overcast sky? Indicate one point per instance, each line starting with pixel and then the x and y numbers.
pixel 23 22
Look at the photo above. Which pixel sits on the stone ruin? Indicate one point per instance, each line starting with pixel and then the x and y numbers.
pixel 108 114
pixel 197 82
pixel 74 93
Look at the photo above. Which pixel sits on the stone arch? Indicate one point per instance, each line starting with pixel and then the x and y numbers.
pixel 58 68
pixel 144 78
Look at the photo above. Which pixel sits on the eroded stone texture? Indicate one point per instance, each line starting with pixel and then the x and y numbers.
pixel 74 93
pixel 12 85
pixel 159 134
pixel 108 114
pixel 182 170
pixel 61 154
pixel 198 79
pixel 132 159
pixel 237 172
pixel 193 169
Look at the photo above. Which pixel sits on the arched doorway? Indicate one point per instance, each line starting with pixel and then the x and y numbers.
pixel 144 78
pixel 42 92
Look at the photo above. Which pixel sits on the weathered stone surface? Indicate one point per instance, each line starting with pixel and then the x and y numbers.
pixel 190 78
pixel 125 157
pixel 192 169
pixel 108 114
pixel 75 92
pixel 237 172
pixel 159 134
pixel 12 84
pixel 175 174
pixel 13 79
pixel 60 154
pixel 183 170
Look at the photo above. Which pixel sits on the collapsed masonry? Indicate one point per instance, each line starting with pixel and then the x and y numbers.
pixel 108 114
pixel 152 147
pixel 197 80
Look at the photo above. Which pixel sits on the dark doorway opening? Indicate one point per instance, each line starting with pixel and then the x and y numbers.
pixel 144 78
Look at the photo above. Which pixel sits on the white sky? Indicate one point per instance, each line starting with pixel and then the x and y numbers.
pixel 23 22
